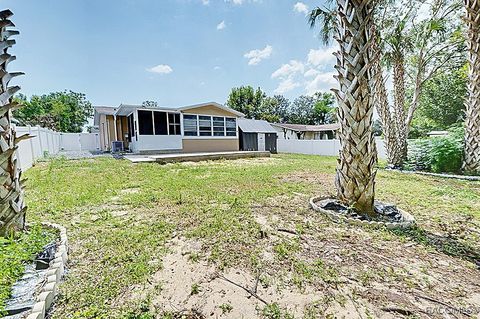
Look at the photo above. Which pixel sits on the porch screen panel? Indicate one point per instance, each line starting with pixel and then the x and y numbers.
pixel 218 126
pixel 205 125
pixel 231 126
pixel 160 123
pixel 190 125
pixel 145 122
pixel 131 126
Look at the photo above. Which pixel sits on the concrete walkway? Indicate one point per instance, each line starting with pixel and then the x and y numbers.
pixel 193 157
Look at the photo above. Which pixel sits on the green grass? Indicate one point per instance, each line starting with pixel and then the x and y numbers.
pixel 15 252
pixel 211 202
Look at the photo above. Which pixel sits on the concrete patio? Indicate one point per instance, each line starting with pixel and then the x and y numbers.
pixel 193 157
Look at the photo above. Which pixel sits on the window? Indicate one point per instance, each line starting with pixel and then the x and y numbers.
pixel 174 124
pixel 205 125
pixel 231 126
pixel 218 126
pixel 145 124
pixel 190 125
pixel 160 119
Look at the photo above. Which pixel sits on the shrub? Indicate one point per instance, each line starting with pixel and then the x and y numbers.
pixel 437 154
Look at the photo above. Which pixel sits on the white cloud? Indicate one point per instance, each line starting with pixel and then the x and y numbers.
pixel 321 56
pixel 300 7
pixel 240 2
pixel 205 2
pixel 161 69
pixel 285 86
pixel 216 68
pixel 322 82
pixel 310 73
pixel 288 70
pixel 256 56
pixel 222 25
pixel 313 74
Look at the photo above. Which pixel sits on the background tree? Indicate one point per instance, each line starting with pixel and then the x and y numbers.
pixel 472 124
pixel 66 111
pixel 282 109
pixel 301 111
pixel 416 48
pixel 12 212
pixel 324 110
pixel 313 110
pixel 247 100
pixel 442 104
pixel 356 170
pixel 150 104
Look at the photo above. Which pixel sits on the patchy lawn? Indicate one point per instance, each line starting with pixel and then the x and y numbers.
pixel 227 239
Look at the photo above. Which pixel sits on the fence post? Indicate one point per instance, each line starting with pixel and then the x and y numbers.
pixel 40 140
pixel 32 150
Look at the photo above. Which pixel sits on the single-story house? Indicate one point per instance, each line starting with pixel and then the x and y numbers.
pixel 306 132
pixel 256 135
pixel 206 127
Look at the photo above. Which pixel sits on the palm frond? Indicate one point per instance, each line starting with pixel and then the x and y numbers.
pixel 327 19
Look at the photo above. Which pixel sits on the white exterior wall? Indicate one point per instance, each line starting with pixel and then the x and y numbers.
pixel 320 147
pixel 158 142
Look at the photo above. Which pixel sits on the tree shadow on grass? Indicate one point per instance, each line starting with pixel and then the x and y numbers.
pixel 448 245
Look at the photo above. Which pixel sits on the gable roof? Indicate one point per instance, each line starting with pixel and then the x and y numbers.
pixel 308 128
pixel 218 105
pixel 255 126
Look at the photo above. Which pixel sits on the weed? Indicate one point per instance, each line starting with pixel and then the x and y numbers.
pixel 195 290
pixel 226 308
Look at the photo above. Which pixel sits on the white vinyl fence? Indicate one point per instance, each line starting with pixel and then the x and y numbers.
pixel 47 142
pixel 320 147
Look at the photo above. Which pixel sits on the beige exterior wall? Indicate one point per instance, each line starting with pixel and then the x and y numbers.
pixel 107 131
pixel 209 110
pixel 210 145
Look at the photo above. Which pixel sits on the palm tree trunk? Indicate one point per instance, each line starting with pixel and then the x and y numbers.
pixel 383 106
pixel 400 141
pixel 355 177
pixel 472 125
pixel 12 209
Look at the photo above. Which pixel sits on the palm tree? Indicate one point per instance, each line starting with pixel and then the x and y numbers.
pixel 12 209
pixel 356 169
pixel 472 127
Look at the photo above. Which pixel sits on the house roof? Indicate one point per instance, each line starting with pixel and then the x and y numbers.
pixel 255 126
pixel 220 106
pixel 108 110
pixel 127 109
pixel 308 128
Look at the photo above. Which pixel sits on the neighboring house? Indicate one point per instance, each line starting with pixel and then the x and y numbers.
pixel 205 127
pixel 257 135
pixel 306 132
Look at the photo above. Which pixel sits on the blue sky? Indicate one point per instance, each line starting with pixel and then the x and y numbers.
pixel 175 52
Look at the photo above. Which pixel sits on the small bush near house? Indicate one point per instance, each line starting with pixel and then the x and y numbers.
pixel 437 154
